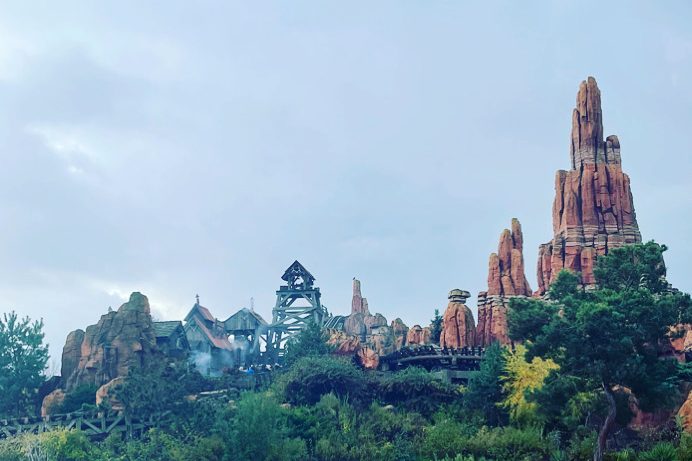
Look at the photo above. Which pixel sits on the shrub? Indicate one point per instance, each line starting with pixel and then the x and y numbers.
pixel 312 377
pixel 415 389
pixel 75 400
pixel 664 451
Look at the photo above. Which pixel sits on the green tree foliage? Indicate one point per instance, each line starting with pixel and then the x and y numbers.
pixel 23 358
pixel 311 377
pixel 609 336
pixel 84 395
pixel 310 342
pixel 415 389
pixel 484 393
pixel 436 327
pixel 159 389
pixel 259 430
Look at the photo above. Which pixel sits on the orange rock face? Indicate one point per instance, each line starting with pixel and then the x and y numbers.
pixel 368 358
pixel 105 396
pixel 52 402
pixel 400 332
pixel 685 414
pixel 593 209
pixel 418 335
pixel 506 278
pixel 458 326
pixel 121 340
pixel 343 344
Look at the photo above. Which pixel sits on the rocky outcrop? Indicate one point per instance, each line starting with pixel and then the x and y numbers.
pixel 506 279
pixel 400 333
pixel 121 340
pixel 368 358
pixel 342 343
pixel 506 275
pixel 71 353
pixel 361 322
pixel 593 209
pixel 418 335
pixel 685 414
pixel 458 326
pixel 105 396
pixel 52 402
pixel 359 305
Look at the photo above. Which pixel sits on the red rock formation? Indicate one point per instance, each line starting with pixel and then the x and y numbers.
pixel 593 209
pixel 419 335
pixel 360 323
pixel 400 332
pixel 506 278
pixel 119 341
pixel 458 326
pixel 368 358
pixel 358 303
pixel 104 396
pixel 343 344
pixel 52 402
pixel 685 414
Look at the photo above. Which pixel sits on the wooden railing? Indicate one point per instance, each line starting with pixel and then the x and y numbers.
pixel 98 424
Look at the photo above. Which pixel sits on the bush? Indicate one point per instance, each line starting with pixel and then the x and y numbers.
pixel 415 389
pixel 449 438
pixel 312 377
pixel 664 451
pixel 75 400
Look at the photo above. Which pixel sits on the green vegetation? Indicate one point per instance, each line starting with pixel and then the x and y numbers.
pixel 547 399
pixel 605 339
pixel 23 358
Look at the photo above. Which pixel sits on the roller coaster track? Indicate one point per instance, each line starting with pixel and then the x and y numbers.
pixel 457 365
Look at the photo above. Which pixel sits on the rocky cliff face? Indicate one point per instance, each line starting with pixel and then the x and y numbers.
pixel 418 335
pixel 119 341
pixel 458 326
pixel 506 279
pixel 593 209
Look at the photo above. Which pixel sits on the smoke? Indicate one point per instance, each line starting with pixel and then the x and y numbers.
pixel 201 361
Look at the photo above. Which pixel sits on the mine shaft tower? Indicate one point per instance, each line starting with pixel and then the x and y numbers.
pixel 297 304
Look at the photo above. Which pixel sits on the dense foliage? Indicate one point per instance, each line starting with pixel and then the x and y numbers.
pixel 608 338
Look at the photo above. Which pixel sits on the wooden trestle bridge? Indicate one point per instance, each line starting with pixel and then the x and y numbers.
pixel 94 425
pixel 456 364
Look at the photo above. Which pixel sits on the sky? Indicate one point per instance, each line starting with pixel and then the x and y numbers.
pixel 178 148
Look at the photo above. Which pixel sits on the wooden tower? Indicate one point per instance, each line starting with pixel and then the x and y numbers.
pixel 297 304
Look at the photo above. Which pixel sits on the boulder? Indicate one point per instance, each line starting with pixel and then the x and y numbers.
pixel 685 414
pixel 105 396
pixel 52 402
pixel 368 358
pixel 458 326
pixel 593 209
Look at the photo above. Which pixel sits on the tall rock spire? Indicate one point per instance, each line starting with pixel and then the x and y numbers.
pixel 506 278
pixel 592 210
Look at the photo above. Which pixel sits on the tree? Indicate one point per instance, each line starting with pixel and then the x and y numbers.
pixel 484 392
pixel 522 376
pixel 23 358
pixel 612 335
pixel 436 327
pixel 311 341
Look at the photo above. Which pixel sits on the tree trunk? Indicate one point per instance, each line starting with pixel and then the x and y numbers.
pixel 607 424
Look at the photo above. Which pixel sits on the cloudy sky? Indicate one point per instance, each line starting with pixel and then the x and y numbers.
pixel 176 149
